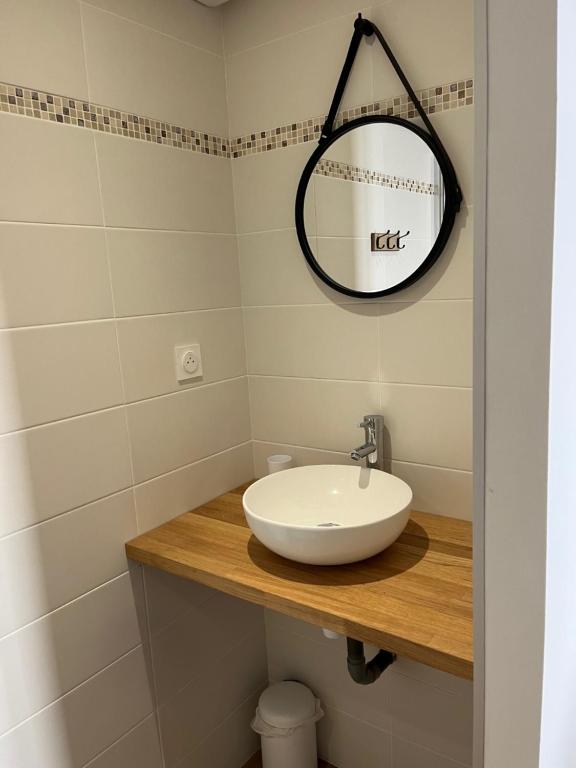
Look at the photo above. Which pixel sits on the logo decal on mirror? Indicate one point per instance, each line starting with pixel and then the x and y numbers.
pixel 387 241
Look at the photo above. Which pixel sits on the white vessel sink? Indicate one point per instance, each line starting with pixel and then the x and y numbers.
pixel 328 515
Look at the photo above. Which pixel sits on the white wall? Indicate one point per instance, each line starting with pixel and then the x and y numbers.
pixel 520 167
pixel 559 688
pixel 112 251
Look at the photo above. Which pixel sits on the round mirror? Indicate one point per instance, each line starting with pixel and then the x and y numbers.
pixel 375 206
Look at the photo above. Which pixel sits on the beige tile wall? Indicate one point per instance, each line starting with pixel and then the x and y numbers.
pixel 114 251
pixel 317 360
pixel 111 253
pixel 318 353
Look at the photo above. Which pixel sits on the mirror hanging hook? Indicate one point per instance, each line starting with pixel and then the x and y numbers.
pixel 361 27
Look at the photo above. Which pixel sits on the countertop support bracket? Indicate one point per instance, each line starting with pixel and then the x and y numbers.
pixel 361 671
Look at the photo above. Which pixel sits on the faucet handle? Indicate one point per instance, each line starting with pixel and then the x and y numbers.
pixel 367 421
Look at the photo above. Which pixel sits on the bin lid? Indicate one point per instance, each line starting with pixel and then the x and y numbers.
pixel 287 705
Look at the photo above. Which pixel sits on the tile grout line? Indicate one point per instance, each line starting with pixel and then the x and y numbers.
pixel 231 714
pixel 128 318
pixel 141 24
pixel 156 712
pixel 117 406
pixel 297 32
pixel 192 681
pixel 117 227
pixel 330 380
pixel 117 741
pixel 65 605
pixel 120 491
pixel 73 690
pixel 344 453
pixel 111 283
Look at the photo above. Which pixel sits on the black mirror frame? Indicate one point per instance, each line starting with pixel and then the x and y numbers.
pixel 452 201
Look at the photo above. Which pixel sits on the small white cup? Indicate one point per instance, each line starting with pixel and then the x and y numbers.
pixel 279 461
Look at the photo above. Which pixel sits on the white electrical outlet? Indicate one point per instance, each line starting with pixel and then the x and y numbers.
pixel 188 362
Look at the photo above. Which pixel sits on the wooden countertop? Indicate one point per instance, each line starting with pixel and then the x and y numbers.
pixel 414 599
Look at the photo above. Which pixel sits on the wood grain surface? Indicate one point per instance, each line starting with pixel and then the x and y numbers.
pixel 414 599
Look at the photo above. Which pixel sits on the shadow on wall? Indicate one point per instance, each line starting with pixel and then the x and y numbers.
pixel 72 620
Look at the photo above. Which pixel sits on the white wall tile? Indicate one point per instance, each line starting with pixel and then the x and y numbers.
pixel 52 275
pixel 437 719
pixel 178 492
pixel 147 350
pixel 278 624
pixel 155 187
pixel 51 656
pixel 433 47
pixel 451 277
pixel 155 272
pixel 179 650
pixel 169 597
pixel 171 431
pixel 48 173
pixel 302 456
pixel 426 343
pixel 426 424
pixel 187 718
pixel 273 271
pixel 408 755
pixel 61 559
pixel 429 425
pixel 76 728
pixel 333 342
pixel 347 742
pixel 254 22
pixel 58 371
pixel 433 677
pixel 438 490
pixel 41 46
pixel 317 414
pixel 293 78
pixel 134 68
pixel 265 187
pixel 191 22
pixel 231 744
pixel 51 469
pixel 140 748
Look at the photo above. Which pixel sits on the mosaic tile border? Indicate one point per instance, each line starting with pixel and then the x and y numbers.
pixel 439 98
pixel 84 114
pixel 345 172
pixel 28 102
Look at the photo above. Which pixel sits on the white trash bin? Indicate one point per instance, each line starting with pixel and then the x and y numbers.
pixel 286 721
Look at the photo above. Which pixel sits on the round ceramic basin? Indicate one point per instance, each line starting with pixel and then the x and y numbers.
pixel 328 515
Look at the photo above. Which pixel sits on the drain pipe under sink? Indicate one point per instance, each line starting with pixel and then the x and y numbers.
pixel 361 671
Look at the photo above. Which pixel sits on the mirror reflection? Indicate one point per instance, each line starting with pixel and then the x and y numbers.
pixel 374 207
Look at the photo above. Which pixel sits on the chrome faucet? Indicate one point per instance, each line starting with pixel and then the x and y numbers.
pixel 373 448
